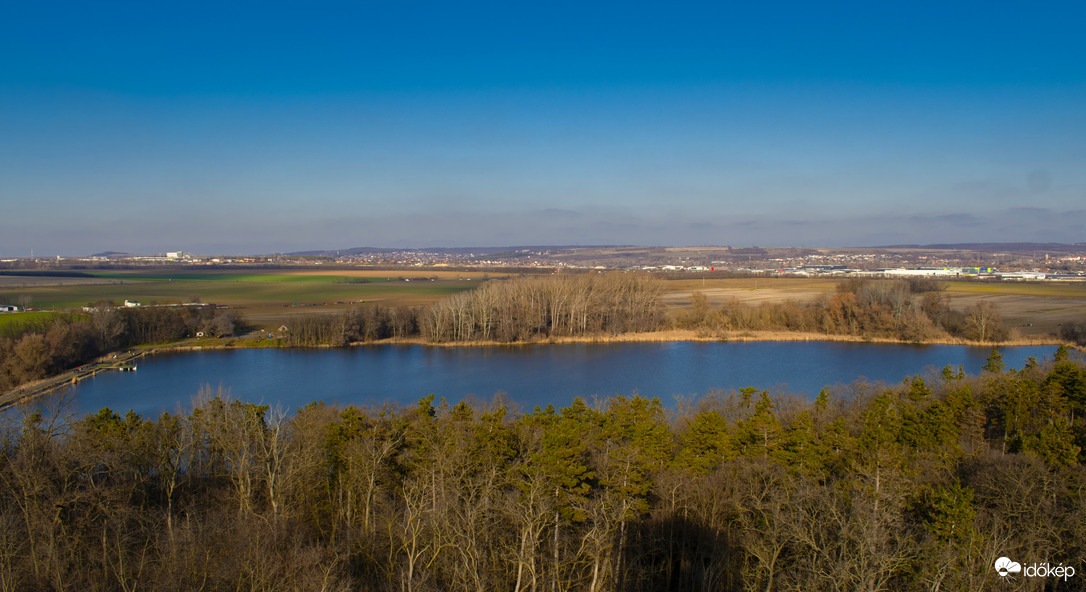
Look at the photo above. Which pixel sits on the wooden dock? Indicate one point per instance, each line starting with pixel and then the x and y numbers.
pixel 120 362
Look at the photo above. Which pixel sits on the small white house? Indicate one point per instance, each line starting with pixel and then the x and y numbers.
pixel 8 308
pixel 132 303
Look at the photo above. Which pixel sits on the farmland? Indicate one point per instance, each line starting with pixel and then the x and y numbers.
pixel 267 297
pixel 262 297
pixel 16 323
pixel 1028 308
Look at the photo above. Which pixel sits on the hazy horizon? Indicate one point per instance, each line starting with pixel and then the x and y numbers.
pixel 267 128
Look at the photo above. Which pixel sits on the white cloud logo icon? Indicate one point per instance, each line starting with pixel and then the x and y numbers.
pixel 1005 566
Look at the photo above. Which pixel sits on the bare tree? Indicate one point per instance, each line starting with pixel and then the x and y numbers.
pixel 985 322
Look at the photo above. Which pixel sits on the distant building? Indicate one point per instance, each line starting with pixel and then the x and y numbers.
pixel 1023 275
pixel 8 308
pixel 922 272
pixel 132 303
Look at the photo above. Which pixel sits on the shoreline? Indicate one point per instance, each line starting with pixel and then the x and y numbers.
pixel 665 336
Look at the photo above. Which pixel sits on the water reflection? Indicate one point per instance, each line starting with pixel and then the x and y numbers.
pixel 531 375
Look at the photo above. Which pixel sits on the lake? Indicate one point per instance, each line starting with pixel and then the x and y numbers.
pixel 529 374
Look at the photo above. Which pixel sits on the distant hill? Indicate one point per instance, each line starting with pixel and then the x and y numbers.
pixel 449 250
pixel 996 247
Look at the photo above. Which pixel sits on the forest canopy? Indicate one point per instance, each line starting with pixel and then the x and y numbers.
pixel 916 487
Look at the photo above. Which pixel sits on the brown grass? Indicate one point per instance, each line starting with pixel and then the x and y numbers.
pixel 671 335
pixel 749 290
pixel 1029 309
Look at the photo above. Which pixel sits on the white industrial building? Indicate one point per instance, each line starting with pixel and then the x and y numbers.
pixel 922 272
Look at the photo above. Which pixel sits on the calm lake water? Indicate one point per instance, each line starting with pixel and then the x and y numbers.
pixel 530 375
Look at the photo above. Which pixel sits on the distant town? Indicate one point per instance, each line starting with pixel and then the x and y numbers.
pixel 1008 262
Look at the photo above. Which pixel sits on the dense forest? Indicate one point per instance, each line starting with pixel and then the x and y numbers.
pixel 916 487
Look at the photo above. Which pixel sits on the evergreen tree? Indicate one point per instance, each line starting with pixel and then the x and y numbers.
pixel 759 434
pixel 705 443
pixel 994 362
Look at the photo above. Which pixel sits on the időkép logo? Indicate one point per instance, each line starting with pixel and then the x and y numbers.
pixel 1005 567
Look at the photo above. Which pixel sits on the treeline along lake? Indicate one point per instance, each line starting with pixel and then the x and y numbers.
pixel 529 375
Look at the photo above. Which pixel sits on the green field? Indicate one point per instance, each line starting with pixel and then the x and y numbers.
pixel 15 318
pixel 12 323
pixel 230 293
pixel 258 295
pixel 225 288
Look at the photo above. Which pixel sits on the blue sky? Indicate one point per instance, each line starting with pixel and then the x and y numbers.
pixel 263 127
